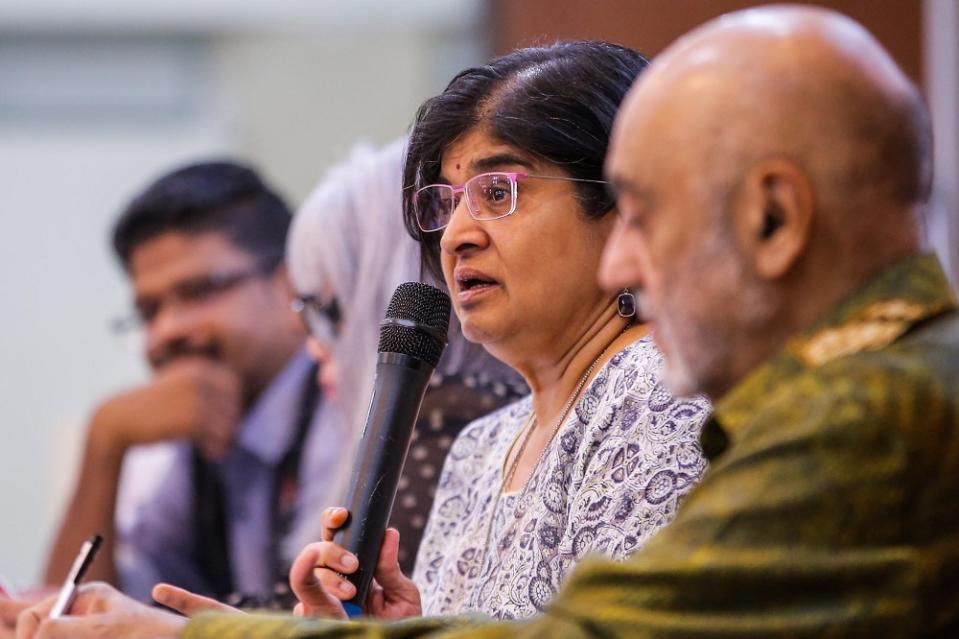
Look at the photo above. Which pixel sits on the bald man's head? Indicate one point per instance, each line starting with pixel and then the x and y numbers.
pixel 772 159
pixel 814 85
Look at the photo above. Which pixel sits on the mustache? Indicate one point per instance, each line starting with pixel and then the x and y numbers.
pixel 184 348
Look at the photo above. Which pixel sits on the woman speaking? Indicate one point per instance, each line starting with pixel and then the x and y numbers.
pixel 505 195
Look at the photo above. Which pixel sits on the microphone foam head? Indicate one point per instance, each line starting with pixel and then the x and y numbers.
pixel 417 320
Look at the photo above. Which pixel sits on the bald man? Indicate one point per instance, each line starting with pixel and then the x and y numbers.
pixel 771 167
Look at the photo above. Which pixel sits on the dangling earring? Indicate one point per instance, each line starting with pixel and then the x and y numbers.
pixel 626 304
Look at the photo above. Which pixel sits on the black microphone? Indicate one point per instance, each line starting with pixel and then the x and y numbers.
pixel 412 339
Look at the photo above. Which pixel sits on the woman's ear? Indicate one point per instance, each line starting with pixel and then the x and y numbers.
pixel 776 210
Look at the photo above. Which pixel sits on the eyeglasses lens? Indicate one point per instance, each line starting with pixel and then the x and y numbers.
pixel 490 196
pixel 321 319
pixel 434 205
pixel 319 324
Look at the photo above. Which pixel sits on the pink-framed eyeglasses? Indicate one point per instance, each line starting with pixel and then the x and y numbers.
pixel 489 196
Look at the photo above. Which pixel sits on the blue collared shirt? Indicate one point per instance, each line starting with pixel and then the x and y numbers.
pixel 158 545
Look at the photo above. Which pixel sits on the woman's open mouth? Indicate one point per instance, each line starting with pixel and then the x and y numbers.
pixel 471 284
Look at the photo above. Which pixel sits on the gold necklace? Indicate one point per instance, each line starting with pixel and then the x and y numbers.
pixel 526 436
pixel 531 424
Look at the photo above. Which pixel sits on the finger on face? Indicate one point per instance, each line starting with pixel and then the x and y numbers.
pixel 186 602
pixel 183 356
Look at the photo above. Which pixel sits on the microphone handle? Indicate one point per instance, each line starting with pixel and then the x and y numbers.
pixel 398 391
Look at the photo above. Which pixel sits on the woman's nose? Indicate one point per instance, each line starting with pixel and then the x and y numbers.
pixel 462 232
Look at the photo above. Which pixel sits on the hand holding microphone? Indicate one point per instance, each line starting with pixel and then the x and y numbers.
pixel 317 577
pixel 412 339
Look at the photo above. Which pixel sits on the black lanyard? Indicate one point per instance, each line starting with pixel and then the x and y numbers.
pixel 211 537
pixel 287 486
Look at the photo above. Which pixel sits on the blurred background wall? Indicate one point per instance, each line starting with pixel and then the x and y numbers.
pixel 99 96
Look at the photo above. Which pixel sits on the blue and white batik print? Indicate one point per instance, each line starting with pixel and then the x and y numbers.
pixel 613 475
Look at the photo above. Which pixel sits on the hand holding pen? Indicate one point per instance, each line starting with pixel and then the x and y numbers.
pixel 99 612
pixel 68 592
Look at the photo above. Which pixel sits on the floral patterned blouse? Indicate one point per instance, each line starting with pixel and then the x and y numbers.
pixel 610 478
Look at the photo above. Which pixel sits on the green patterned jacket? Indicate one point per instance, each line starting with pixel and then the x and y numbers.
pixel 831 508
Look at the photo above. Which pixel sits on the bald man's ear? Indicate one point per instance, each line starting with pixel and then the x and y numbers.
pixel 778 208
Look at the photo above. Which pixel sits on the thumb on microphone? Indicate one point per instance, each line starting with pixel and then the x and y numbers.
pixel 388 574
pixel 392 594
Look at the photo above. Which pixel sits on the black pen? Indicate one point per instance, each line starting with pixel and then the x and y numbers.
pixel 68 593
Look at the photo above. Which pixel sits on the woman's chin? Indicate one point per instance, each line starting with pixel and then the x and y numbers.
pixel 475 330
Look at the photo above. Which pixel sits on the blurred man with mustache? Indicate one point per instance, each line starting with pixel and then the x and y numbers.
pixel 203 247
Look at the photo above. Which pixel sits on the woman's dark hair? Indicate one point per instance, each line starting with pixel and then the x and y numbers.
pixel 222 196
pixel 556 102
